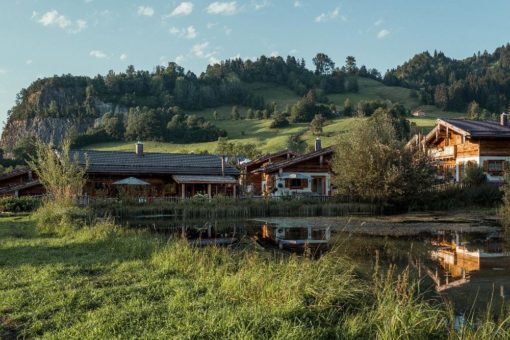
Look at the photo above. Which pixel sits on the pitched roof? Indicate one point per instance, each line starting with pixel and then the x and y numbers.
pixel 271 155
pixel 188 179
pixel 480 128
pixel 288 162
pixel 14 173
pixel 21 186
pixel 152 163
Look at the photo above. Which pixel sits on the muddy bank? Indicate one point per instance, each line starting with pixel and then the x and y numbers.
pixel 401 225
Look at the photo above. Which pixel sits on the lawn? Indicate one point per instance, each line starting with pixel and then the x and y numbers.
pixel 105 282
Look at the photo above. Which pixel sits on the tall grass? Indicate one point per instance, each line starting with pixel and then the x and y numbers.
pixel 108 282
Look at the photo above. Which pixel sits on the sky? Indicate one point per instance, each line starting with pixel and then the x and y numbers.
pixel 40 38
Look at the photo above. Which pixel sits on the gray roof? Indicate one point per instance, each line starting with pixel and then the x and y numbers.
pixel 296 160
pixel 204 179
pixel 479 128
pixel 129 163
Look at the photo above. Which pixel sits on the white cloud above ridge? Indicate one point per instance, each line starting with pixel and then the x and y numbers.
pixel 328 16
pixel 223 8
pixel 98 54
pixel 383 33
pixel 183 9
pixel 54 19
pixel 145 11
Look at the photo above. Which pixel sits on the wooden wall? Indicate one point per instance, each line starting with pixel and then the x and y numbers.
pixel 495 147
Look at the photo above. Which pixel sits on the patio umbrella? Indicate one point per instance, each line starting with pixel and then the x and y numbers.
pixel 131 181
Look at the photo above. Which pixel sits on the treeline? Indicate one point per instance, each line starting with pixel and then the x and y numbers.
pixel 224 83
pixel 171 125
pixel 483 79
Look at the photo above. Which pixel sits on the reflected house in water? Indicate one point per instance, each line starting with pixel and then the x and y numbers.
pixel 296 237
pixel 456 261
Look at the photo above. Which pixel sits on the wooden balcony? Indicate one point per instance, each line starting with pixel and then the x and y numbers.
pixel 443 153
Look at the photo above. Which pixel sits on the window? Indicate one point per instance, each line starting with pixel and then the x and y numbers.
pixel 296 183
pixel 495 168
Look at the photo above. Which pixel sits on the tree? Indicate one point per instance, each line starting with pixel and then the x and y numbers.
pixel 296 144
pixel 348 107
pixel 350 65
pixel 372 164
pixel 317 124
pixel 59 171
pixel 473 111
pixel 250 114
pixel 215 115
pixel 475 176
pixel 259 114
pixel 114 126
pixel 279 120
pixel 235 115
pixel 323 64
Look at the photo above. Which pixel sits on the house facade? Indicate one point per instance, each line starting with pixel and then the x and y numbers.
pixel 456 144
pixel 308 174
pixel 252 180
pixel 112 173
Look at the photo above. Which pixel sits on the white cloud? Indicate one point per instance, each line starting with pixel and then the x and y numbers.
pixel 29 62
pixel 225 8
pixel 184 8
pixel 179 59
pixel 2 71
pixel 211 25
pixel 213 60
pixel 327 16
pixel 123 56
pixel 145 11
pixel 54 19
pixel 189 32
pixel 227 30
pixel 383 34
pixel 199 49
pixel 378 22
pixel 275 54
pixel 293 51
pixel 298 3
pixel 258 5
pixel 98 54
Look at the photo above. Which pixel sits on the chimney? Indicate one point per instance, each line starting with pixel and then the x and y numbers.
pixel 139 149
pixel 503 119
pixel 317 144
pixel 222 166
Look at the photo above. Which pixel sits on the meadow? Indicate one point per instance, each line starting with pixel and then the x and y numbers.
pixel 258 132
pixel 103 281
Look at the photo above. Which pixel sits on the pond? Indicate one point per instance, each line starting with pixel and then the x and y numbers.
pixel 468 268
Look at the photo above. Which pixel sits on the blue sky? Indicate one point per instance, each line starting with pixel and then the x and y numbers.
pixel 85 37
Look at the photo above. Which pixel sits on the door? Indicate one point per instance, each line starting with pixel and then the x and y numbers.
pixel 318 185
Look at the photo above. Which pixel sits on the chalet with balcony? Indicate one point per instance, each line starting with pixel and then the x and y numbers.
pixel 455 144
pixel 252 180
pixel 308 175
pixel 20 182
pixel 113 173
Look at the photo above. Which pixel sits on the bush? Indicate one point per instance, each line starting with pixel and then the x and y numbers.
pixel 475 176
pixel 20 204
pixel 56 219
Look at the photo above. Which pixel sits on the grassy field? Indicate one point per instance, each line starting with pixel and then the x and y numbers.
pixel 105 282
pixel 270 140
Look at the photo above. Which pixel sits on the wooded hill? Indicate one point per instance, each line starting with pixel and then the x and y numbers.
pixel 265 102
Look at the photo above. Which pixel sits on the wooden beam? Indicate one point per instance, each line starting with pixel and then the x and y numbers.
pixel 183 189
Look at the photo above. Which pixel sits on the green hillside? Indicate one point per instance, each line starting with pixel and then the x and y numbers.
pixel 269 140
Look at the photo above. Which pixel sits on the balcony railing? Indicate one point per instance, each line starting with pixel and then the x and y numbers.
pixel 445 152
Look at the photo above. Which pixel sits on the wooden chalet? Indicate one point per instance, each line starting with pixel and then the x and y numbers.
pixel 113 173
pixel 252 180
pixel 308 174
pixel 20 183
pixel 455 144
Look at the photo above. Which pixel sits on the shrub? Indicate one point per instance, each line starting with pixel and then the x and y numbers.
pixel 475 176
pixel 57 219
pixel 20 204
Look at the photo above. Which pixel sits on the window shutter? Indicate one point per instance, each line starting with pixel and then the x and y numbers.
pixel 485 166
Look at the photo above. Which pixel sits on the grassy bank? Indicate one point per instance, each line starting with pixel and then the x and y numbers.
pixel 104 282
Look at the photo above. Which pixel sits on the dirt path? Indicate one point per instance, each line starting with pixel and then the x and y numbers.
pixel 401 225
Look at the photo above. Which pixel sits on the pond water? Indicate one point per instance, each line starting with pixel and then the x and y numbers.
pixel 469 269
